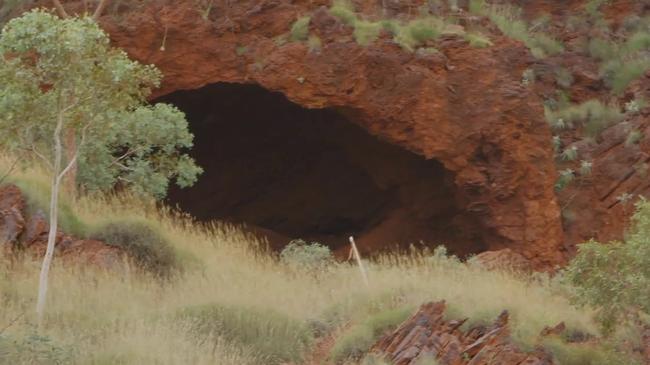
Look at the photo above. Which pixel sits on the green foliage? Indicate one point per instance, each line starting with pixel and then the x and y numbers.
pixel 592 114
pixel 565 178
pixel 149 250
pixel 37 196
pixel 344 10
pixel 366 32
pixel 273 337
pixel 61 77
pixel 418 31
pixel 622 62
pixel 356 341
pixel 33 349
pixel 585 354
pixel 615 277
pixel 299 254
pixel 508 19
pixel 619 73
pixel 478 40
pixel 300 29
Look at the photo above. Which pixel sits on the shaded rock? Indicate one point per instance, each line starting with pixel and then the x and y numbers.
pixel 428 334
pixel 12 221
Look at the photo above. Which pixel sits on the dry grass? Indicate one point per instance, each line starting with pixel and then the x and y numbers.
pixel 125 318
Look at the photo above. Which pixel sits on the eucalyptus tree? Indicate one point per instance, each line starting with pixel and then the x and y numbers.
pixel 67 97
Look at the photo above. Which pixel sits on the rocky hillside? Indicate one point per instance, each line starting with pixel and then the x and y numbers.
pixel 492 126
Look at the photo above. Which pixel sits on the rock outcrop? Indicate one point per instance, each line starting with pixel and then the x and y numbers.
pixel 24 232
pixel 464 107
pixel 429 335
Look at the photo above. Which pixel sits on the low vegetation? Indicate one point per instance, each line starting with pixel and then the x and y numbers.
pixel 509 21
pixel 122 317
pixel 355 342
pixel 614 278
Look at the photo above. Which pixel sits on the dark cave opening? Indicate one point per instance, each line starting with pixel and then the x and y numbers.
pixel 290 172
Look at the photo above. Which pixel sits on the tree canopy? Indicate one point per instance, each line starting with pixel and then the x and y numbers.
pixel 63 74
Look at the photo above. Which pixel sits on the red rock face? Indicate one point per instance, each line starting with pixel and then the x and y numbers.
pixel 464 107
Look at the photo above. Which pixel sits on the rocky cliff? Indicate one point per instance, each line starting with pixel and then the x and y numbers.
pixel 433 147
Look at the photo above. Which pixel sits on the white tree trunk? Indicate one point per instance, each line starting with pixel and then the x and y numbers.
pixel 54 209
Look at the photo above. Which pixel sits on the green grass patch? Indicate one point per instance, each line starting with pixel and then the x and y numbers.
pixel 366 32
pixel 344 10
pixel 143 243
pixel 593 115
pixel 300 29
pixel 356 341
pixel 37 196
pixel 478 40
pixel 272 337
pixel 586 354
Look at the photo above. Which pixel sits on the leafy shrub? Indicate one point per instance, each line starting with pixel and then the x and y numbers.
pixel 148 249
pixel 312 256
pixel 366 32
pixel 355 342
pixel 300 29
pixel 272 336
pixel 615 277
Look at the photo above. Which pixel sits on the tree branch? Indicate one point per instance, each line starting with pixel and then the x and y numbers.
pixel 60 9
pixel 100 8
pixel 48 163
pixel 73 161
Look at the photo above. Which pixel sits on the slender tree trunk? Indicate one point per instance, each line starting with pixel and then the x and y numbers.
pixel 70 180
pixel 54 208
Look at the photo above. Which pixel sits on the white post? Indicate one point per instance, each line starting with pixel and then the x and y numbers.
pixel 354 252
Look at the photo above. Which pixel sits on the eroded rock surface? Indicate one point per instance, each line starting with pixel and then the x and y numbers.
pixel 429 335
pixel 20 231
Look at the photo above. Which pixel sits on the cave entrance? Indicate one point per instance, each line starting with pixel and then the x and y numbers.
pixel 289 172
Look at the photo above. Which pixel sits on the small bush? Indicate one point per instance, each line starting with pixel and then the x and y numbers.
pixel 366 32
pixel 300 29
pixel 593 115
pixel 615 277
pixel 273 337
pixel 417 32
pixel 313 256
pixel 355 342
pixel 148 249
pixel 344 10
pixel 618 74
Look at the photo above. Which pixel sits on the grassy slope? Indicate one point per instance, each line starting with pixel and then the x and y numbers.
pixel 125 318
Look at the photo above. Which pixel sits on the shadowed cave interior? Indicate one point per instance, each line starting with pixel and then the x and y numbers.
pixel 289 172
